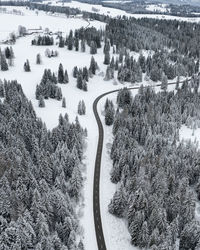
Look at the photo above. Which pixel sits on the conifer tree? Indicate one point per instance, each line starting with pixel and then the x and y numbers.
pixel 93 48
pixel 38 59
pixel 7 53
pixel 60 74
pixel 93 66
pixel 79 81
pixel 70 40
pixel 85 74
pixel 85 88
pixel 82 45
pixel 58 94
pixel 75 72
pixel 107 58
pixel 76 44
pixel 164 83
pixel 1 89
pixel 61 42
pixel 27 66
pixel 63 102
pixel 41 102
pixel 3 63
pixel 66 78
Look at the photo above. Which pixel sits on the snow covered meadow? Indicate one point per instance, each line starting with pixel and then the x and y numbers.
pixel 117 12
pixel 39 19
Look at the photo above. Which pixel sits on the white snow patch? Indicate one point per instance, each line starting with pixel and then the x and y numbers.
pixel 37 19
pixel 158 7
pixel 188 134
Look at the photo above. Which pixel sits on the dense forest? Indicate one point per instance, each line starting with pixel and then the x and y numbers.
pixel 157 175
pixel 41 177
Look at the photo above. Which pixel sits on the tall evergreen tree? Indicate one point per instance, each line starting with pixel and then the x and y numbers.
pixel 60 74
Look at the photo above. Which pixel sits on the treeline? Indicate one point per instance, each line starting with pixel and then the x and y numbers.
pixel 40 177
pixel 156 174
pixel 43 40
pixel 48 86
pixel 183 36
pixel 78 39
pixel 6 58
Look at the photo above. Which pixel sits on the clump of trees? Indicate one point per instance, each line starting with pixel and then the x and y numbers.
pixel 81 108
pixel 43 40
pixel 48 87
pixel 9 54
pixel 78 39
pixel 51 53
pixel 82 76
pixel 62 75
pixel 109 112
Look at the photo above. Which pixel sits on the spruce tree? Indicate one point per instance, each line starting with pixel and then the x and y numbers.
pixel 58 94
pixel 164 83
pixel 93 66
pixel 93 48
pixel 60 74
pixel 1 89
pixel 38 59
pixel 3 63
pixel 82 45
pixel 66 78
pixel 76 44
pixel 85 74
pixel 63 103
pixel 27 66
pixel 7 53
pixel 75 72
pixel 107 58
pixel 79 81
pixel 41 102
pixel 83 107
pixel 85 88
pixel 70 40
pixel 61 42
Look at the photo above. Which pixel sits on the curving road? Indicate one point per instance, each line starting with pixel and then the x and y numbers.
pixel 96 199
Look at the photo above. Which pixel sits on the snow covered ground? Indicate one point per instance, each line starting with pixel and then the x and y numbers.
pixel 117 12
pixel 37 19
pixel 190 134
pixel 157 7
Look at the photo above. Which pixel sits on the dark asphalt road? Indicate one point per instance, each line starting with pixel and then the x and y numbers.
pixel 96 203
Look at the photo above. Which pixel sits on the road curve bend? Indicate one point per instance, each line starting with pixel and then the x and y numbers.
pixel 96 187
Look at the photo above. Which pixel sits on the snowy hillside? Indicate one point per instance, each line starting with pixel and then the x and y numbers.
pixel 117 12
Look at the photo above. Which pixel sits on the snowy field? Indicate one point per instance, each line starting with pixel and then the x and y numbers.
pixel 158 7
pixel 37 19
pixel 117 12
